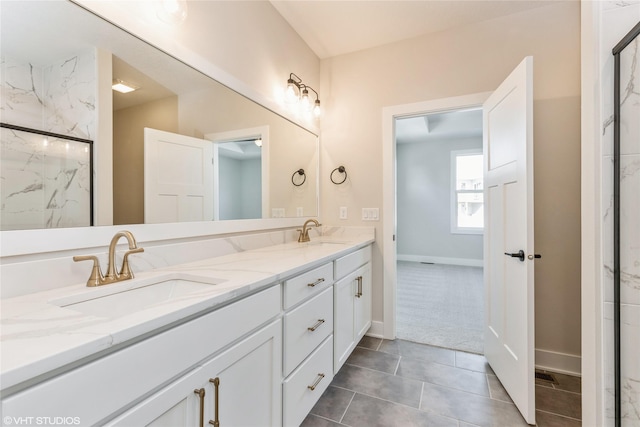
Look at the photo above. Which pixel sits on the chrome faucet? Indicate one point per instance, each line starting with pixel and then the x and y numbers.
pixel 125 273
pixel 304 232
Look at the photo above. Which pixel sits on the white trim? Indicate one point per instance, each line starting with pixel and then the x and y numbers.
pixel 389 114
pixel 376 330
pixel 261 132
pixel 593 412
pixel 469 262
pixel 453 191
pixel 558 362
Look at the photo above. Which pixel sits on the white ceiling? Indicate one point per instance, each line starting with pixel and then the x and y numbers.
pixel 440 126
pixel 336 27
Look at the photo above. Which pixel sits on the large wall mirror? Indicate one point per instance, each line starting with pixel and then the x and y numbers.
pixel 184 147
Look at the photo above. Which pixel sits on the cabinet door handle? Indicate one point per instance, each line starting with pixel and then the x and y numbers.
pixel 216 383
pixel 317 282
pixel 317 325
pixel 315 384
pixel 200 393
pixel 359 293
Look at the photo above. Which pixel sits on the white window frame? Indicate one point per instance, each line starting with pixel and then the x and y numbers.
pixel 454 193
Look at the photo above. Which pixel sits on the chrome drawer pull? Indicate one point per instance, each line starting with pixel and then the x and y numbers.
pixel 200 393
pixel 313 387
pixel 317 325
pixel 317 282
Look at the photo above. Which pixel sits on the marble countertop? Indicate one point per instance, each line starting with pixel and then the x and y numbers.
pixel 38 336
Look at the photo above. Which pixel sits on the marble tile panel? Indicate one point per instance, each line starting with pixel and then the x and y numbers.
pixel 607 226
pixel 469 407
pixel 378 384
pixel 368 411
pixel 378 361
pixel 417 351
pixel 630 227
pixel 630 363
pixel 630 98
pixel 435 373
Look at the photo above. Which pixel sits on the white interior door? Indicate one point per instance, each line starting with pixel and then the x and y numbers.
pixel 178 178
pixel 509 281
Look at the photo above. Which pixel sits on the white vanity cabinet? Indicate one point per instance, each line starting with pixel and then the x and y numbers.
pixel 352 302
pixel 239 387
pixel 96 391
pixel 308 341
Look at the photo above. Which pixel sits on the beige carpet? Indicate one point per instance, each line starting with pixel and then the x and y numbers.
pixel 441 305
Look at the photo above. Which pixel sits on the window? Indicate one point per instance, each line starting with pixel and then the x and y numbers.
pixel 467 198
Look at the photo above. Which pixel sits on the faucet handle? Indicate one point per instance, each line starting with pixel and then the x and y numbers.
pixel 125 271
pixel 96 278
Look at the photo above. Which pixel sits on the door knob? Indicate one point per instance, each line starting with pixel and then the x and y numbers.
pixel 520 255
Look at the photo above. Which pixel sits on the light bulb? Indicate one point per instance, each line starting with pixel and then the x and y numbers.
pixel 290 95
pixel 316 108
pixel 304 100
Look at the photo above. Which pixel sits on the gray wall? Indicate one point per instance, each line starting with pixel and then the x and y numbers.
pixel 424 204
pixel 240 188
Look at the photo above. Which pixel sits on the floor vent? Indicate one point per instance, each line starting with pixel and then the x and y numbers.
pixel 545 377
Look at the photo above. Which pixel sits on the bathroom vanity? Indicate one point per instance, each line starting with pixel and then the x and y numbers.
pixel 249 338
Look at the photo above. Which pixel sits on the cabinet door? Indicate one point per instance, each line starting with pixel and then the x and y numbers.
pixel 249 392
pixel 245 381
pixel 362 302
pixel 352 315
pixel 343 322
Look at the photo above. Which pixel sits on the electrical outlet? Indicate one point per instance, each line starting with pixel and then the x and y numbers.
pixel 343 212
pixel 299 211
pixel 277 212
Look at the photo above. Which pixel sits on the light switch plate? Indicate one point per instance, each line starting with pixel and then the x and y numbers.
pixel 370 214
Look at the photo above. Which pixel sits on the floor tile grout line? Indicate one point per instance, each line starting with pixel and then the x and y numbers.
pixel 423 382
pixel 329 419
pixel 559 415
pixel 347 408
pixel 421 394
pixel 395 371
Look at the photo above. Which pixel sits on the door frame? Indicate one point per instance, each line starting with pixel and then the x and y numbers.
pixel 217 138
pixel 389 252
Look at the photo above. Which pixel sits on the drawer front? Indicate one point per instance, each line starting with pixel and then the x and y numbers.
pixel 307 284
pixel 348 263
pixel 298 397
pixel 121 378
pixel 299 339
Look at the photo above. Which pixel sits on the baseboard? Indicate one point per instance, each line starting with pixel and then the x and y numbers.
pixel 376 330
pixel 469 262
pixel 546 360
pixel 558 362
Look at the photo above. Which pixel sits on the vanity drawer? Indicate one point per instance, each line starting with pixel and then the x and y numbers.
pixel 349 263
pixel 97 389
pixel 306 284
pixel 298 398
pixel 299 340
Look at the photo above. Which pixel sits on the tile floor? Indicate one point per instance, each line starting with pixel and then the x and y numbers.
pixel 401 383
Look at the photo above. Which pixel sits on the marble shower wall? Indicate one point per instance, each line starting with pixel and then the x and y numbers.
pixel 46 183
pixel 617 20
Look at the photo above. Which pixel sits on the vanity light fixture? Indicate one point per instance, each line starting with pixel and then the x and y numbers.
pixel 123 87
pixel 171 11
pixel 298 93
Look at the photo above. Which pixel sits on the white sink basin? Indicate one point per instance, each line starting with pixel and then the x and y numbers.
pixel 128 300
